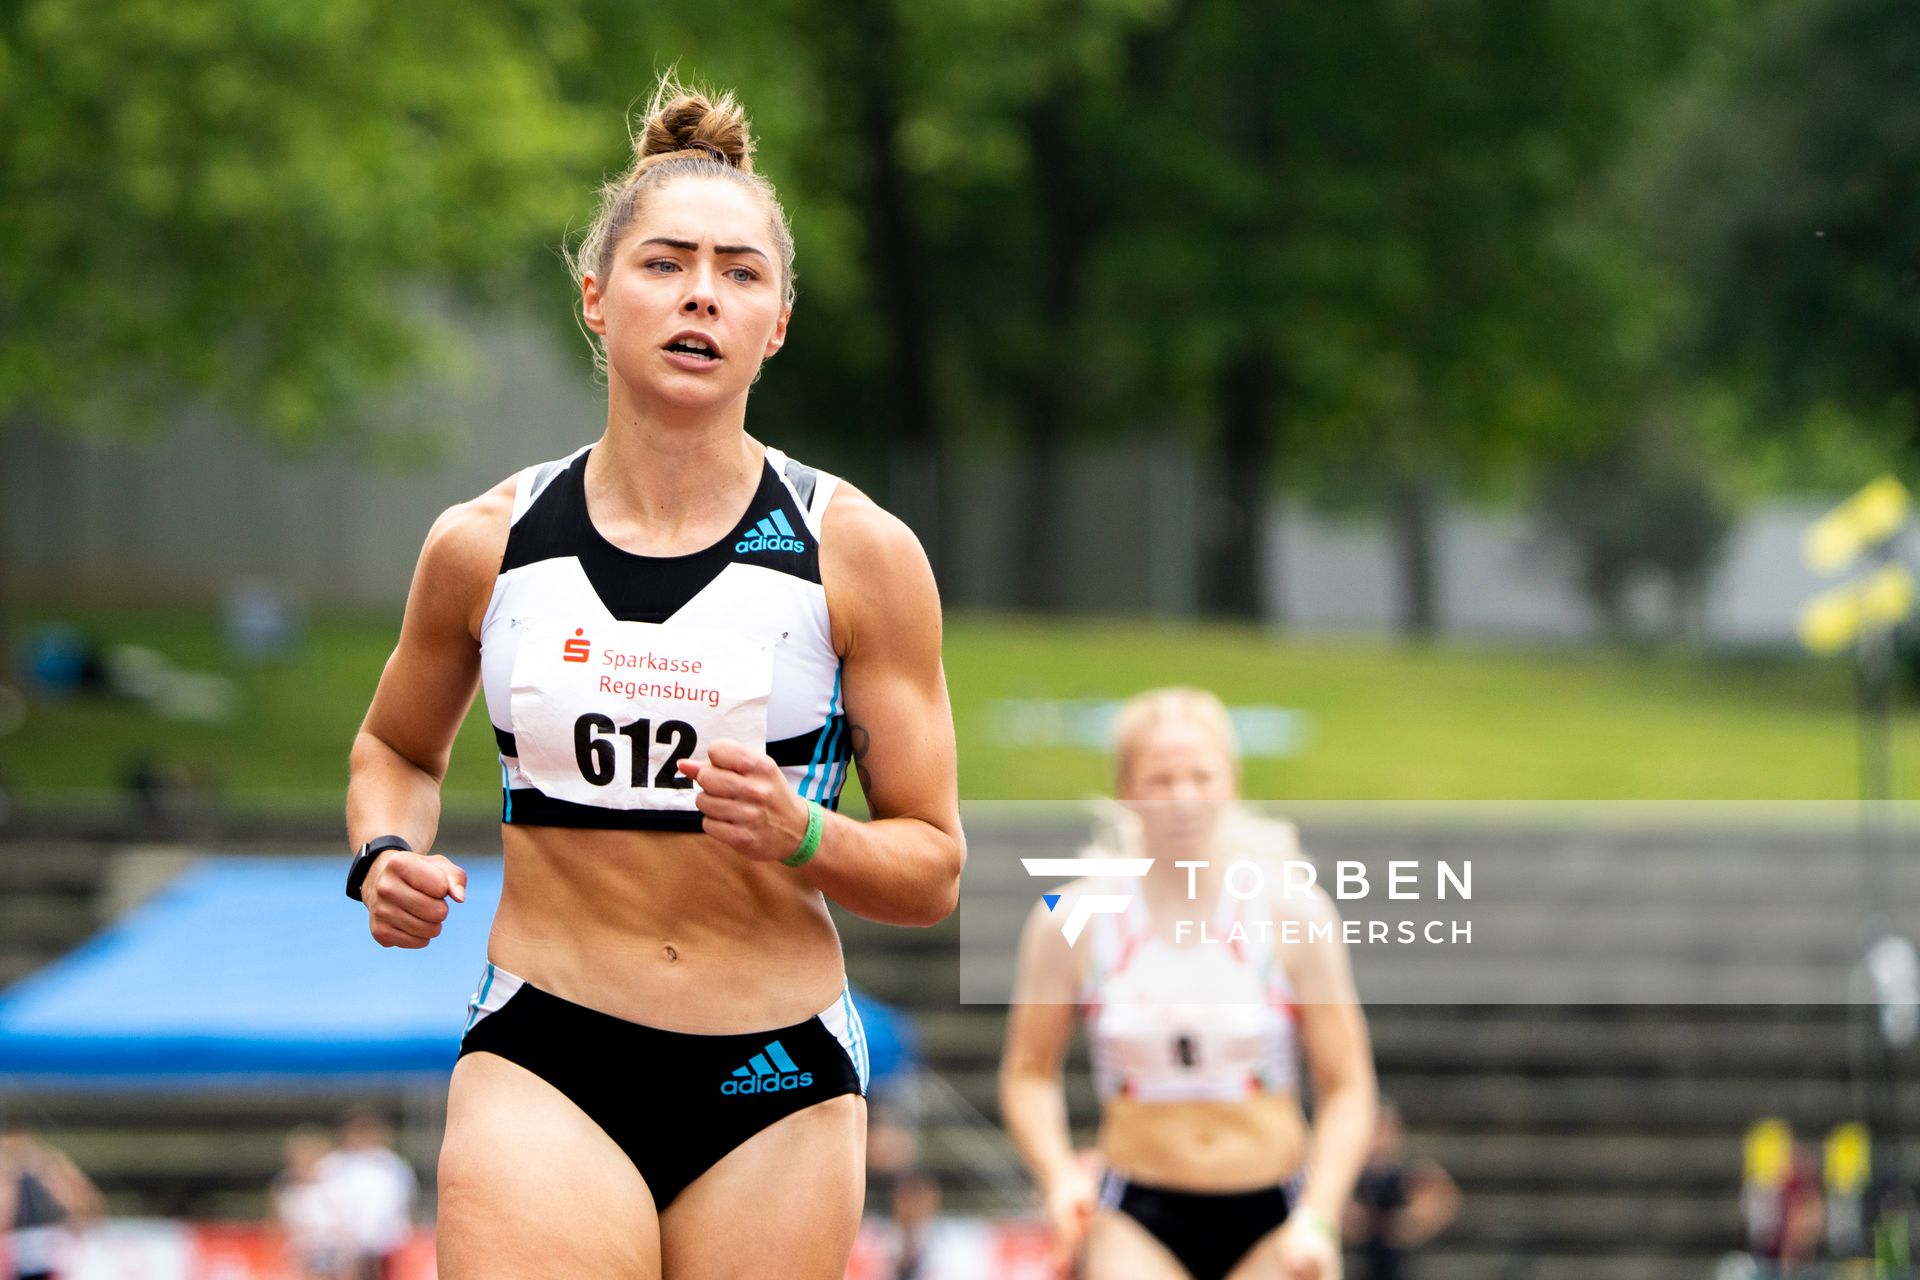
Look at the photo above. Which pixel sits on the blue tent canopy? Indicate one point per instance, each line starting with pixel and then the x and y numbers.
pixel 257 969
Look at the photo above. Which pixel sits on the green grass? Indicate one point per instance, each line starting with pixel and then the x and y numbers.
pixel 1445 722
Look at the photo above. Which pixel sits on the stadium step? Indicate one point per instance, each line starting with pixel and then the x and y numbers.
pixel 1591 1143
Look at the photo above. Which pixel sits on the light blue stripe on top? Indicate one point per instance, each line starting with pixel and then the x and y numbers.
pixel 846 766
pixel 778 1052
pixel 833 709
pixel 780 522
pixel 833 763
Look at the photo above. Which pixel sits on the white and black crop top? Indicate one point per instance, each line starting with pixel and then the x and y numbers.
pixel 603 669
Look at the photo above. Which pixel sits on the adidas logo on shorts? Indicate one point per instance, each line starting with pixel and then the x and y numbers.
pixel 772 533
pixel 763 1076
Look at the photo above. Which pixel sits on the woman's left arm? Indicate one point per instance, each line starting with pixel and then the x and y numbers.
pixel 1333 1032
pixel 903 867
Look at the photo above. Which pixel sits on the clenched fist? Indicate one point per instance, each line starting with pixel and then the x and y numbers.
pixel 406 895
pixel 746 803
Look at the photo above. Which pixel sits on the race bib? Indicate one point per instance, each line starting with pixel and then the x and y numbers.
pixel 604 712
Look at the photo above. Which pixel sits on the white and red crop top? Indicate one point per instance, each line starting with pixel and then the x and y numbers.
pixel 1189 1021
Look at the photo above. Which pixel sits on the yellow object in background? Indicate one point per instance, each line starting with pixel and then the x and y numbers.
pixel 1769 1153
pixel 1849 1159
pixel 1831 620
pixel 1868 518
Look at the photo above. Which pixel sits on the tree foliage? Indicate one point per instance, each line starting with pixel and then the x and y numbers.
pixel 240 201
pixel 1369 251
pixel 1781 197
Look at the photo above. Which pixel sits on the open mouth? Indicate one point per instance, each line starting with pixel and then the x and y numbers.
pixel 692 347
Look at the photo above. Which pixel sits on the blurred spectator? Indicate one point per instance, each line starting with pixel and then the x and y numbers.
pixel 914 1248
pixel 1784 1210
pixel 259 623
pixel 893 1149
pixel 1398 1204
pixel 311 1212
pixel 159 790
pixel 60 660
pixel 43 1196
pixel 374 1188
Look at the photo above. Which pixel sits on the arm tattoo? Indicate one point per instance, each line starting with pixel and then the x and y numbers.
pixel 857 734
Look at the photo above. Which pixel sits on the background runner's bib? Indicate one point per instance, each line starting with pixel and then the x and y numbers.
pixel 604 711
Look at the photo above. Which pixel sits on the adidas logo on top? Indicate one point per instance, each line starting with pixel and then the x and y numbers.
pixel 763 1076
pixel 772 533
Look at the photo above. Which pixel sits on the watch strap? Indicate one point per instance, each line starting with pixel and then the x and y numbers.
pixel 363 861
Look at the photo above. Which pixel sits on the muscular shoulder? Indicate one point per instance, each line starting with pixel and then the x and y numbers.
pixel 872 566
pixel 463 551
pixel 857 526
pixel 468 538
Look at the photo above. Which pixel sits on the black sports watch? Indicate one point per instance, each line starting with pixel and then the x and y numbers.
pixel 363 861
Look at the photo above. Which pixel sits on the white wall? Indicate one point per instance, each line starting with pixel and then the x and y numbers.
pixel 1496 581
pixel 181 518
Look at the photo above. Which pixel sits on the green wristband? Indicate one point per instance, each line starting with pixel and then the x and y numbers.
pixel 809 843
pixel 1317 1221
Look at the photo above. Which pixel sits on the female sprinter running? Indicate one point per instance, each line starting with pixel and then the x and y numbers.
pixel 684 638
pixel 1198 1004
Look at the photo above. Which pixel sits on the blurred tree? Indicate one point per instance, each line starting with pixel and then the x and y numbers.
pixel 1342 249
pixel 1507 116
pixel 1012 127
pixel 1078 152
pixel 1319 239
pixel 1781 192
pixel 1646 504
pixel 1203 161
pixel 1329 242
pixel 237 203
pixel 865 68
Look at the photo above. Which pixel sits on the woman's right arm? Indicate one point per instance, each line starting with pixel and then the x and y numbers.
pixel 67 1183
pixel 400 755
pixel 1033 1098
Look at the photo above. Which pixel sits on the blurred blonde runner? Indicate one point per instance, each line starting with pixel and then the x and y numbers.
pixel 1198 1008
pixel 686 639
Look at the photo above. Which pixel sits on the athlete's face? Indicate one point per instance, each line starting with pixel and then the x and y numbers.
pixel 1179 779
pixel 695 269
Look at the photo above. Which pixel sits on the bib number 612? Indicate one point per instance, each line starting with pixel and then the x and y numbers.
pixel 594 750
